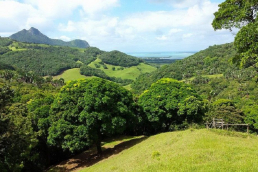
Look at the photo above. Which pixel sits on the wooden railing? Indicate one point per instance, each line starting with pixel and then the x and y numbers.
pixel 219 123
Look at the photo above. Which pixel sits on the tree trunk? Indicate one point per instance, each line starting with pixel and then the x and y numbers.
pixel 98 144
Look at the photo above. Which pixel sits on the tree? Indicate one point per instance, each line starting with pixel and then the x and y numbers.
pixel 170 102
pixel 86 110
pixel 225 109
pixel 241 14
pixel 38 112
pixel 17 139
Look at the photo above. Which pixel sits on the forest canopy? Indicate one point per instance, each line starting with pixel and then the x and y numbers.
pixel 241 14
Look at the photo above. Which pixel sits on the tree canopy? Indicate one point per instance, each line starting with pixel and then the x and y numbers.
pixel 86 110
pixel 168 103
pixel 235 14
pixel 241 14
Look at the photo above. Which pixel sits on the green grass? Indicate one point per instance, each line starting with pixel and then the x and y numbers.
pixel 191 150
pixel 128 72
pixel 128 87
pixel 207 76
pixel 107 145
pixel 71 74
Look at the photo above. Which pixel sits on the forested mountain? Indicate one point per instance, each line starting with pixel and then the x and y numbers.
pixel 42 59
pixel 33 35
pixel 120 59
pixel 211 61
pixel 217 80
pixel 46 60
pixel 210 87
pixel 44 121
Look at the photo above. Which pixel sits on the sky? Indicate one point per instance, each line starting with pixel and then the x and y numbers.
pixel 124 25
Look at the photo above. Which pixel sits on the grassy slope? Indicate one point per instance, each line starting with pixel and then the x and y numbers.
pixel 205 76
pixel 71 74
pixel 198 150
pixel 128 73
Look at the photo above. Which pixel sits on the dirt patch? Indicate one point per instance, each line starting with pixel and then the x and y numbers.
pixel 90 157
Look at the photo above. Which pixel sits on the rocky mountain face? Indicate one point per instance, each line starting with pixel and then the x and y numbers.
pixel 33 35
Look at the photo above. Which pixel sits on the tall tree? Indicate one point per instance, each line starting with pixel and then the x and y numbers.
pixel 169 103
pixel 241 14
pixel 86 110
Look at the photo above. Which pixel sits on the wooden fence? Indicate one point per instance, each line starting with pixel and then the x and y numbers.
pixel 220 124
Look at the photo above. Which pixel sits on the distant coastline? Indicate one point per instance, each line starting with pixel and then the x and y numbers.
pixel 162 55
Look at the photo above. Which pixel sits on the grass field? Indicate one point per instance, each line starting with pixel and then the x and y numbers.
pixel 71 74
pixel 127 73
pixel 191 150
pixel 207 76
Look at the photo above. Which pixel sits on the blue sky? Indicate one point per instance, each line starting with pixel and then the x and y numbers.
pixel 125 25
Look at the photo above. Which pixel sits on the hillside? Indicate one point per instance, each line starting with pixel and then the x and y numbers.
pixel 215 78
pixel 43 59
pixel 131 72
pixel 33 35
pixel 211 61
pixel 71 63
pixel 191 150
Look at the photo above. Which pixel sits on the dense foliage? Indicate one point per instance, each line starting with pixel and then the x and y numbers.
pixel 240 14
pixel 51 123
pixel 170 104
pixel 213 77
pixel 47 60
pixel 89 71
pixel 225 109
pixel 120 59
pixel 5 42
pixel 213 60
pixel 87 110
pixel 20 141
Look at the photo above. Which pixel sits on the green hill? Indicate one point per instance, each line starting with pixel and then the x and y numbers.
pixel 122 72
pixel 214 77
pixel 191 150
pixel 33 35
pixel 120 59
pixel 211 61
pixel 198 150
pixel 71 63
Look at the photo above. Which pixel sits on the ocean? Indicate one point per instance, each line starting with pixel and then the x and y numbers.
pixel 161 55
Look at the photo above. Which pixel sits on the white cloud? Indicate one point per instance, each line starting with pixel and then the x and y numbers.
pixel 95 6
pixel 63 8
pixel 64 38
pixel 162 38
pixel 145 29
pixel 179 3
pixel 13 14
pixel 187 35
pixel 187 23
pixel 53 8
pixel 172 31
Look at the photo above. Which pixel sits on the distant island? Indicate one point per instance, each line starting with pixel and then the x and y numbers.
pixel 33 35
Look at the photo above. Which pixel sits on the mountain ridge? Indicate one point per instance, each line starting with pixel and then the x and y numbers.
pixel 33 35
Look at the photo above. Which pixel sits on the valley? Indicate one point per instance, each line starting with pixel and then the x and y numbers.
pixel 67 105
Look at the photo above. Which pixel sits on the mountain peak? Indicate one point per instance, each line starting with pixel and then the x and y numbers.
pixel 34 31
pixel 33 35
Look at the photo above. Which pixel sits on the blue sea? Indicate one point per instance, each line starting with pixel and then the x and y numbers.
pixel 161 55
